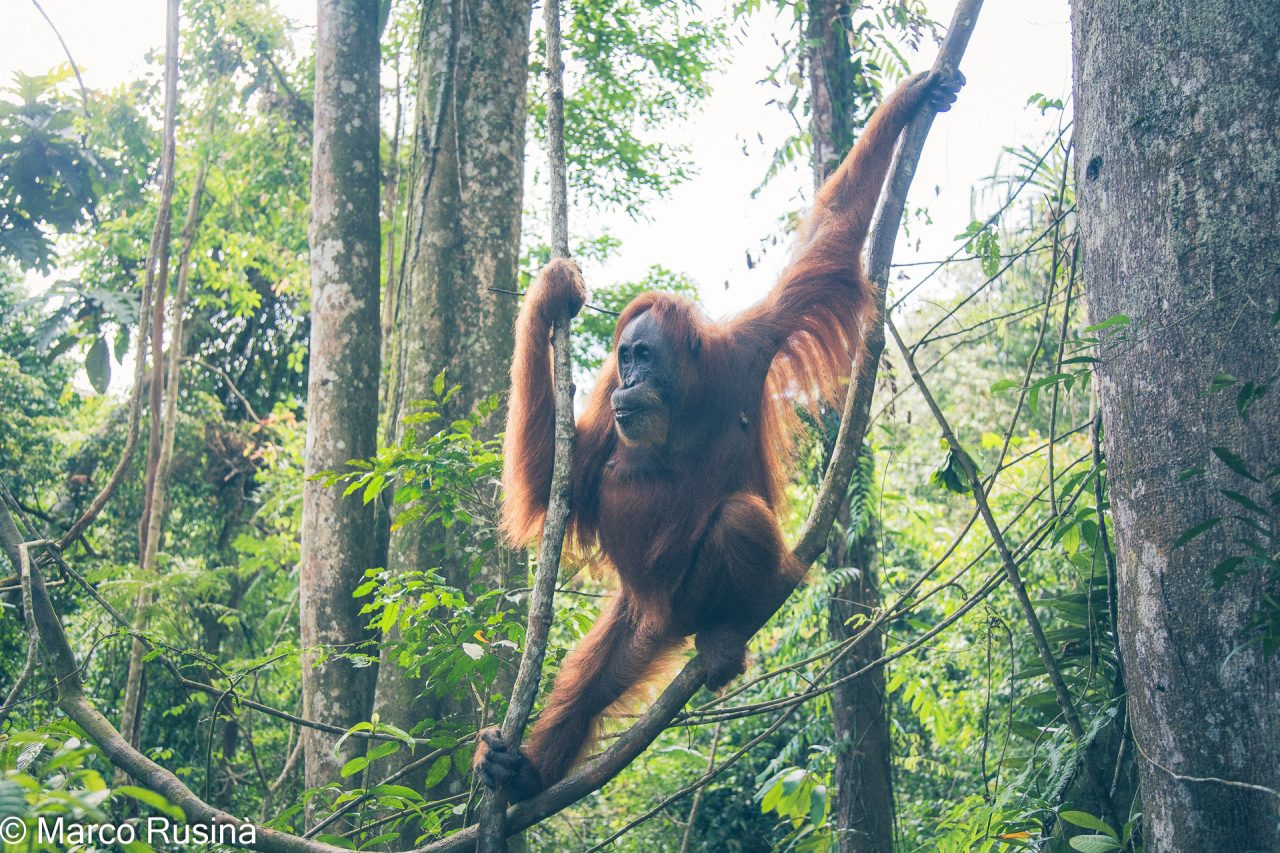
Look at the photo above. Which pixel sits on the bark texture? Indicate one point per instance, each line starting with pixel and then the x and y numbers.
pixel 1178 105
pixel 462 241
pixel 338 534
pixel 863 776
pixel 863 805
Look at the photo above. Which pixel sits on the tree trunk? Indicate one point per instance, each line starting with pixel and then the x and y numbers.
pixel 1178 107
pixel 338 535
pixel 462 242
pixel 863 776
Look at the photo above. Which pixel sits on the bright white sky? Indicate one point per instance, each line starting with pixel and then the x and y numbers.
pixel 706 226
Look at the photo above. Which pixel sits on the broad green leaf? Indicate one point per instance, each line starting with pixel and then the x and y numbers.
pixel 1220 381
pixel 439 770
pixel 354 766
pixel 1094 843
pixel 1088 821
pixel 382 750
pixel 97 363
pixel 337 841
pixel 817 804
pixel 1222 572
pixel 396 791
pixel 1244 399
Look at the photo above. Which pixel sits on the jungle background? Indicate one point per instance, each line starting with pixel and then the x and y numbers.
pixel 268 527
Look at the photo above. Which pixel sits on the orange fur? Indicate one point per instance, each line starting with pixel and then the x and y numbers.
pixel 691 527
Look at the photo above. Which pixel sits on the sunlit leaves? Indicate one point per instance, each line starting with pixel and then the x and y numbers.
pixel 982 240
pixel 50 179
pixel 631 69
pixel 952 473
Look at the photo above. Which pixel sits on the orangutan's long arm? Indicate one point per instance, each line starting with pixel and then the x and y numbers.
pixel 529 446
pixel 815 313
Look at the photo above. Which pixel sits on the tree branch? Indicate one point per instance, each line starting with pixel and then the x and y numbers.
pixel 157 267
pixel 21 561
pixel 492 836
pixel 1065 702
pixel 599 770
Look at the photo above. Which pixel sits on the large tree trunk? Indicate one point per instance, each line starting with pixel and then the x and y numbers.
pixel 338 534
pixel 863 776
pixel 462 242
pixel 1178 105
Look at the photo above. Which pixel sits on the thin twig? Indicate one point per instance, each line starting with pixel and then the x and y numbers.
pixel 1065 702
pixel 33 640
pixel 75 68
pixel 990 220
pixel 492 837
pixel 697 798
pixel 1057 366
pixel 231 385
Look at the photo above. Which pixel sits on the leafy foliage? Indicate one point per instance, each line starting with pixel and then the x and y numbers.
pixel 51 180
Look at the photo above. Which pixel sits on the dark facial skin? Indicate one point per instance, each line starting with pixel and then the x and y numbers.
pixel 647 369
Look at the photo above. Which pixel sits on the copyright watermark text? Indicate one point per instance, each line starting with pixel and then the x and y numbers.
pixel 158 832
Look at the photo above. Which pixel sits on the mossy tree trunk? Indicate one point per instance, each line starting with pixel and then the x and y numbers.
pixel 462 249
pixel 1178 149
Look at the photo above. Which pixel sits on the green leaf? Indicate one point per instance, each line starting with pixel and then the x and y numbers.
pixel 950 475
pixel 396 791
pixel 354 766
pixel 1234 462
pixel 817 804
pixel 1192 533
pixel 98 365
pixel 382 750
pixel 1004 385
pixel 439 770
pixel 1094 843
pixel 389 616
pixel 151 798
pixel 771 798
pixel 1220 381
pixel 121 345
pixel 1244 399
pixel 1187 473
pixel 1110 322
pixel 1222 572
pixel 13 801
pixel 1244 501
pixel 437 385
pixel 1088 821
pixel 337 841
